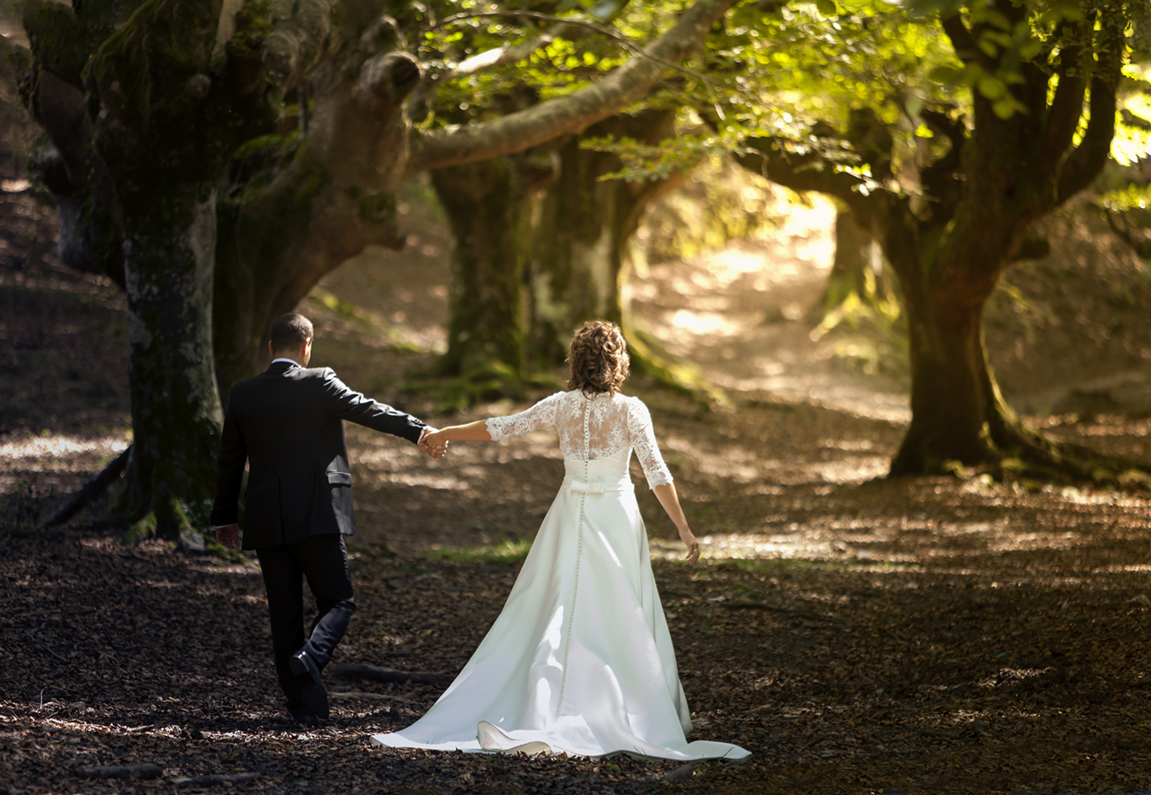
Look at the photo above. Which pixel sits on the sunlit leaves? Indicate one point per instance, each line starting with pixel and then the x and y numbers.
pixel 579 41
pixel 1121 200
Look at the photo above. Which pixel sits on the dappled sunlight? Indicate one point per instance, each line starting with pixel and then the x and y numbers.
pixel 46 464
pixel 49 449
pixel 740 314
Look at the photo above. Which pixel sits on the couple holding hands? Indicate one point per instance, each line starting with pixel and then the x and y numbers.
pixel 580 660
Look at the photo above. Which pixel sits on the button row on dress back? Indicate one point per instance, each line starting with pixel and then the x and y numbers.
pixel 578 558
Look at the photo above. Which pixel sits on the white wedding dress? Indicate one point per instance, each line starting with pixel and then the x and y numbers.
pixel 580 660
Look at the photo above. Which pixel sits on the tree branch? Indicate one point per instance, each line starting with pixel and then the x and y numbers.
pixel 381 674
pixel 1088 159
pixel 61 109
pixel 570 114
pixel 804 172
pixel 424 95
pixel 1066 107
pixel 302 38
pixel 940 178
pixel 961 39
pixel 14 59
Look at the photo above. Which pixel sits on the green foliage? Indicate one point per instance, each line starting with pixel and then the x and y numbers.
pixel 784 72
pixel 601 36
pixel 508 552
pixel 1121 200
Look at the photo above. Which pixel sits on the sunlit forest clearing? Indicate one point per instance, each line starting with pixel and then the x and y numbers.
pixel 858 634
pixel 904 388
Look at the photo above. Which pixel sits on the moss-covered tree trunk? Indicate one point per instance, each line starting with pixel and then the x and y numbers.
pixel 277 241
pixel 169 257
pixel 485 204
pixel 950 382
pixel 1000 172
pixel 855 271
pixel 579 255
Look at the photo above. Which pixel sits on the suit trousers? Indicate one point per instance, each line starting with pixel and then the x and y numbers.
pixel 323 561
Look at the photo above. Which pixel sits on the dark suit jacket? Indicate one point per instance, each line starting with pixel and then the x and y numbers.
pixel 288 424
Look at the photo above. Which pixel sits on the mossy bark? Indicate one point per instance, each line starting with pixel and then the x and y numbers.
pixel 169 256
pixel 579 257
pixel 277 240
pixel 486 206
pixel 855 271
pixel 951 395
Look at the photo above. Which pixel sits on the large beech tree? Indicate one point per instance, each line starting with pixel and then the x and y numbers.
pixel 540 246
pixel 147 102
pixel 1034 127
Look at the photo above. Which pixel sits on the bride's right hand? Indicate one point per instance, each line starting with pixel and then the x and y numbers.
pixel 687 537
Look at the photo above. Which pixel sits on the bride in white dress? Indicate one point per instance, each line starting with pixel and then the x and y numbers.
pixel 580 660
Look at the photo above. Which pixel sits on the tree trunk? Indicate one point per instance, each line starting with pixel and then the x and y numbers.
pixel 169 256
pixel 578 261
pixel 855 270
pixel 276 242
pixel 948 376
pixel 485 205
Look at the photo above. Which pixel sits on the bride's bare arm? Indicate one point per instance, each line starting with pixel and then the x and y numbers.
pixel 472 432
pixel 669 499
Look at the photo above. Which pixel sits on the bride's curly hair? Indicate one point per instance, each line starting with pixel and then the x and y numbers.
pixel 598 358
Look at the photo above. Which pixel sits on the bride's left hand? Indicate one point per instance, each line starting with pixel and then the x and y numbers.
pixel 433 442
pixel 687 537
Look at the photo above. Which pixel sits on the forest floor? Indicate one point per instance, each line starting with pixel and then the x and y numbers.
pixel 858 635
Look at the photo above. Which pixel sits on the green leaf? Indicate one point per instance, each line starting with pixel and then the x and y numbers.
pixel 947 75
pixel 992 88
pixel 924 8
pixel 827 7
pixel 1004 108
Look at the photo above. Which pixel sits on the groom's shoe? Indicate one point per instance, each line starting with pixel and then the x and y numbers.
pixel 312 691
pixel 305 718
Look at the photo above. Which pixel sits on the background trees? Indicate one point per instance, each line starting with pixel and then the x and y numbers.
pixel 148 102
pixel 227 155
pixel 947 163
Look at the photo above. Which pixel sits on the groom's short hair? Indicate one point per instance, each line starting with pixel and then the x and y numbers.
pixel 290 331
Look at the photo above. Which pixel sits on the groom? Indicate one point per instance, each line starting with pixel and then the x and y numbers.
pixel 287 425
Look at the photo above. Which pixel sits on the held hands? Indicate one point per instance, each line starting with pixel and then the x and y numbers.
pixel 433 443
pixel 228 535
pixel 687 537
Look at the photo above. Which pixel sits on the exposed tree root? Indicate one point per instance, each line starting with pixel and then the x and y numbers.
pixel 1027 453
pixel 1012 451
pixel 489 381
pixel 92 488
pixel 381 674
pixel 650 357
pixel 120 771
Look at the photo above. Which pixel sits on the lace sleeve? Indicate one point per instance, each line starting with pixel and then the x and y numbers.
pixel 541 415
pixel 645 446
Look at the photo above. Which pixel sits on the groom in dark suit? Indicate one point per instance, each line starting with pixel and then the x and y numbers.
pixel 287 425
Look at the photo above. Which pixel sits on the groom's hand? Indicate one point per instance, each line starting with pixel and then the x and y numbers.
pixel 228 535
pixel 434 452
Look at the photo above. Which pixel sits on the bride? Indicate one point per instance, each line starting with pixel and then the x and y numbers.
pixel 580 660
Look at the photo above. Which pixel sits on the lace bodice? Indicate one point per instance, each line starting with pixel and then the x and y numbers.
pixel 597 434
